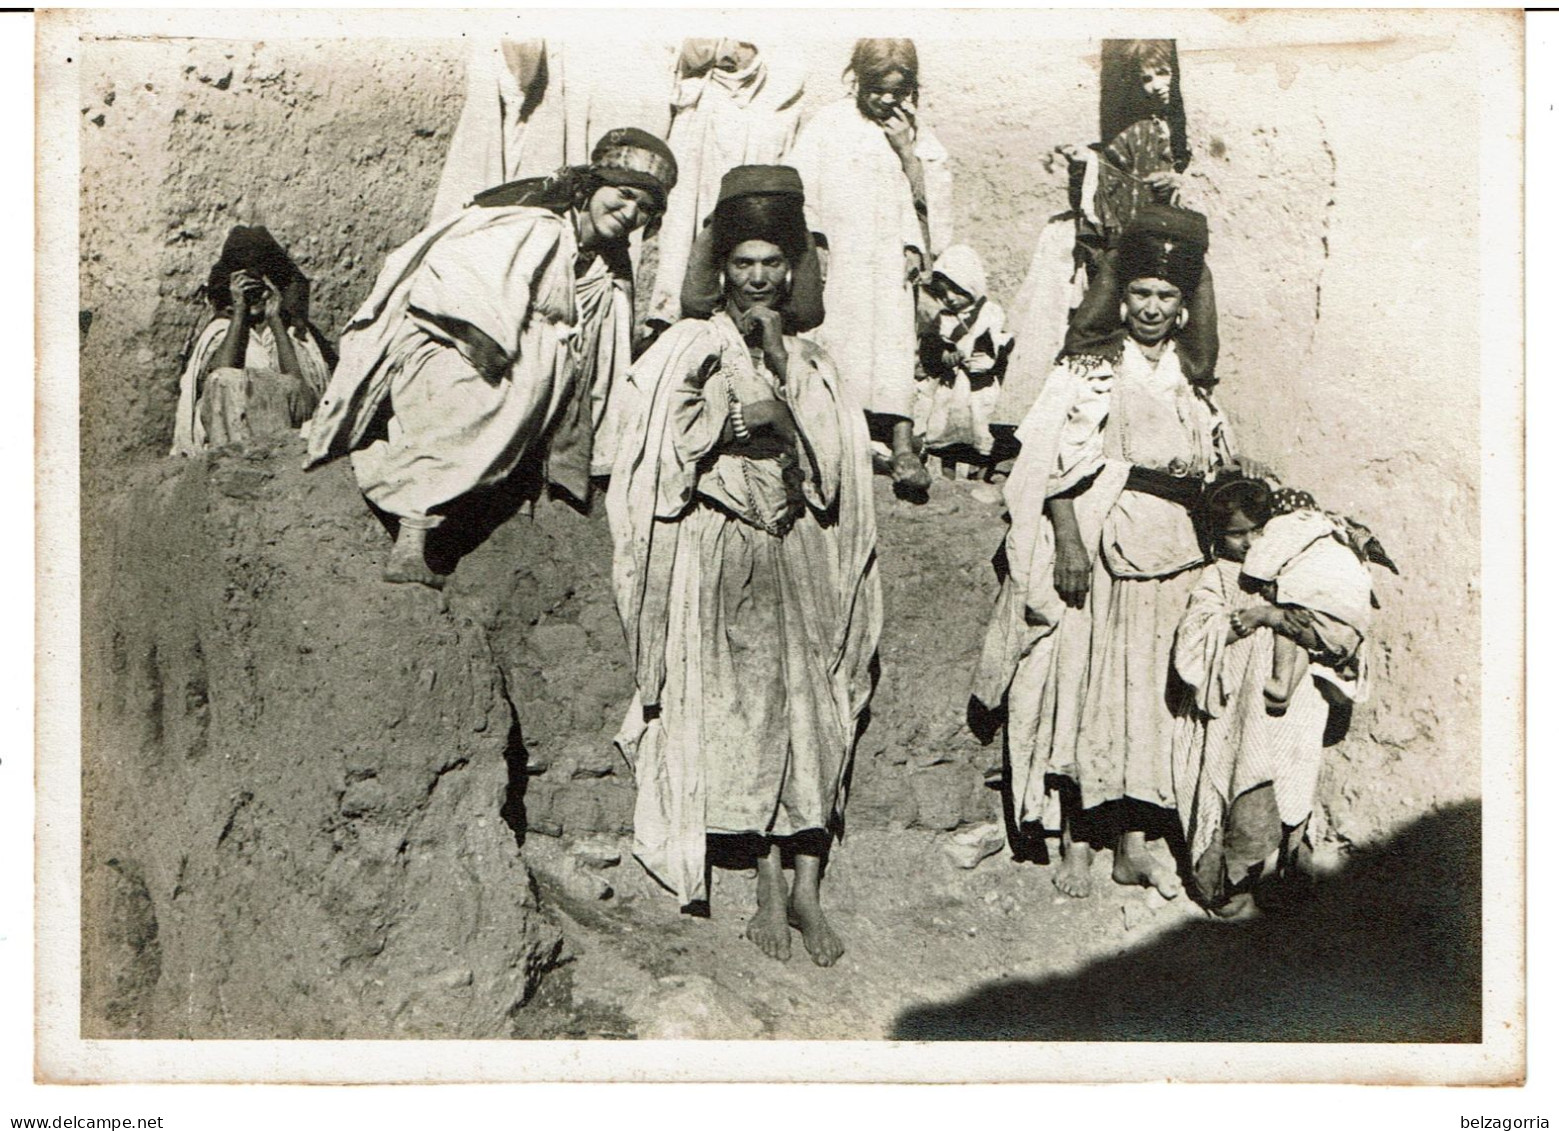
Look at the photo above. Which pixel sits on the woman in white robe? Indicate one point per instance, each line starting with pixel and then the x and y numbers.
pixel 477 339
pixel 1102 556
pixel 745 571
pixel 258 366
pixel 878 196
pixel 535 106
pixel 732 104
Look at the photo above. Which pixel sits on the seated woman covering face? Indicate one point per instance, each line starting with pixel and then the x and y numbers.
pixel 1103 554
pixel 258 368
pixel 493 337
pixel 744 564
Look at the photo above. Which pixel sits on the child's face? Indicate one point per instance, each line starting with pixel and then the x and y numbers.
pixel 1156 83
pixel 1236 538
pixel 951 297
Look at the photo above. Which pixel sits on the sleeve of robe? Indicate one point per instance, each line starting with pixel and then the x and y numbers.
pixel 472 278
pixel 1060 449
pixel 666 428
pixel 185 428
pixel 486 263
pixel 815 399
pixel 1201 640
pixel 311 359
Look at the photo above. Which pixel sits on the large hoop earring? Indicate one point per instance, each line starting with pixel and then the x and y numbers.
pixel 1123 313
pixel 1182 318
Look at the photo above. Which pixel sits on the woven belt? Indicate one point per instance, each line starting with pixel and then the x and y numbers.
pixel 1184 490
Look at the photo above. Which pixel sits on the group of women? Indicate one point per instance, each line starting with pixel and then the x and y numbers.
pixel 738 446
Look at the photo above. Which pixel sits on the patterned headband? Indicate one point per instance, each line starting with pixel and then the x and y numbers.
pixel 633 159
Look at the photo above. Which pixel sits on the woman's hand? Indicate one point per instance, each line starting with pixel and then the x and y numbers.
pixel 899 125
pixel 770 325
pixel 272 304
pixel 1072 571
pixel 1166 184
pixel 1295 623
pixel 240 284
pixel 770 416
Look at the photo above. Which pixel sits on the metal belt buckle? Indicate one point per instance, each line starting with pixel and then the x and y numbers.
pixel 1179 468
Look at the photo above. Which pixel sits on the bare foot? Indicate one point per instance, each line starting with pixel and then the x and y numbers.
pixel 1136 866
pixel 806 915
pixel 770 932
pixel 767 928
pixel 408 560
pixel 909 473
pixel 1072 878
pixel 1242 906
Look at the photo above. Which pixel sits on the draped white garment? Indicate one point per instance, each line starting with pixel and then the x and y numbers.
pixel 584 94
pixel 752 651
pixel 720 119
pixel 860 199
pixel 189 431
pixel 507 272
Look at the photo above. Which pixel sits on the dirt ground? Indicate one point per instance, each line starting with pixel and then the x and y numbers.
pixel 1384 949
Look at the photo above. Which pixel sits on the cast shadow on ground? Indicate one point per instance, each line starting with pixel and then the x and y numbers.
pixel 1388 949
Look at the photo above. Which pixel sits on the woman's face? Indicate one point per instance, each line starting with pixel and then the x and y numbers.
pixel 881 96
pixel 755 273
pixel 1238 537
pixel 1152 309
pixel 615 211
pixel 1157 81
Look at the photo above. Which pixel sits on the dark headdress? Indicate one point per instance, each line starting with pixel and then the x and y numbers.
pixel 761 202
pixel 256 251
pixel 632 157
pixel 626 156
pixel 1121 97
pixel 757 202
pixel 1164 243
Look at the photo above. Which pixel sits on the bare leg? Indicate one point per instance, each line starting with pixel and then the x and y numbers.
pixel 909 472
pixel 409 561
pixel 767 927
pixel 806 912
pixel 1136 866
pixel 1288 668
pixel 1076 859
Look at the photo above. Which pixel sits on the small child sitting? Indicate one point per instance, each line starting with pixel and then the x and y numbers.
pixel 963 350
pixel 1313 565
